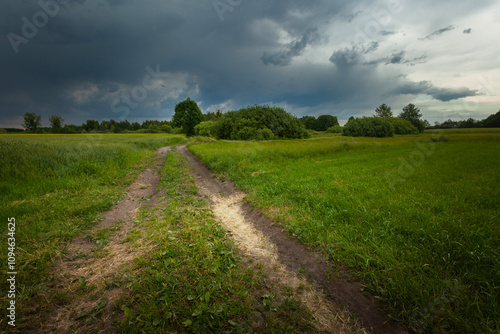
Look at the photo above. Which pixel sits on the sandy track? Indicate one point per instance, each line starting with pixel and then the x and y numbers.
pixel 284 257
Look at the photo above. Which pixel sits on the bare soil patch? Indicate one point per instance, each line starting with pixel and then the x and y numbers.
pixel 284 257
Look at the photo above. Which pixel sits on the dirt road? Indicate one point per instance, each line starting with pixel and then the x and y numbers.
pixel 285 260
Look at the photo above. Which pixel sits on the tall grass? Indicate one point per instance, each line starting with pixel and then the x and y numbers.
pixel 427 246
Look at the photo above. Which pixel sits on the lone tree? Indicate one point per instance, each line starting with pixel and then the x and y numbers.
pixel 56 122
pixel 383 111
pixel 412 114
pixel 32 121
pixel 326 121
pixel 308 121
pixel 187 115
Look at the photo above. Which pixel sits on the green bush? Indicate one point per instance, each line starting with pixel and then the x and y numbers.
pixel 206 129
pixel 265 134
pixel 368 127
pixel 334 129
pixel 260 123
pixel 402 126
pixel 166 128
pixel 177 131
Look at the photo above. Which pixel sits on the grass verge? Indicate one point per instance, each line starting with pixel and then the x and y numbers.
pixel 416 217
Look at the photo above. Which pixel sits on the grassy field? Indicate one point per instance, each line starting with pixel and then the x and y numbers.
pixel 416 218
pixel 191 278
pixel 55 186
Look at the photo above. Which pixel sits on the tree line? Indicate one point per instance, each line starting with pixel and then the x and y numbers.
pixel 32 124
pixel 492 121
pixel 259 123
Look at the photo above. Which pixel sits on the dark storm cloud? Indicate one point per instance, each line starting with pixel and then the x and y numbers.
pixel 439 32
pixel 293 49
pixel 94 59
pixel 346 58
pixel 90 60
pixel 349 57
pixel 441 94
pixel 396 58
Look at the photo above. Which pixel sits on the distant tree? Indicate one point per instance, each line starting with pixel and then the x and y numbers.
pixel 187 115
pixel 412 114
pixel 383 111
pixel 325 121
pixel 91 125
pixel 449 124
pixel 493 121
pixel 309 122
pixel 136 126
pixel 32 122
pixel 104 127
pixel 56 121
pixel 218 114
pixel 211 116
pixel 70 128
pixel 114 126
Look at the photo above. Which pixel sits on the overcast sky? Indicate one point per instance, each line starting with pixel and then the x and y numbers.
pixel 125 59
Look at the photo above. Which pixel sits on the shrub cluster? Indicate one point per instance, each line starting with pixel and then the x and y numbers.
pixel 322 123
pixel 334 129
pixel 402 126
pixel 206 129
pixel 368 127
pixel 260 123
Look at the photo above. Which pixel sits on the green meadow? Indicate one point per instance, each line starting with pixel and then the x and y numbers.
pixel 415 218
